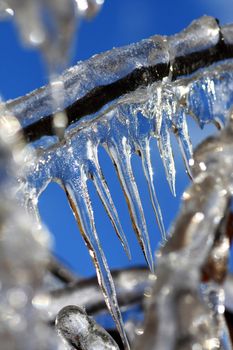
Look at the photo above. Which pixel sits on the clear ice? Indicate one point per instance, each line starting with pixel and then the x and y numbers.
pixel 124 127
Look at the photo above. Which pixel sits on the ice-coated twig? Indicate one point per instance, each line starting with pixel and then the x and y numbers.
pixel 129 283
pixel 61 272
pixel 124 70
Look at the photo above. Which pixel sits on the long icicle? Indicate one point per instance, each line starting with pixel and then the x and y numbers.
pixel 82 209
pixel 148 171
pixel 183 138
pixel 165 149
pixel 121 160
pixel 106 198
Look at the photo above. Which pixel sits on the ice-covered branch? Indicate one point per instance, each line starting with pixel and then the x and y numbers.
pixel 129 283
pixel 99 81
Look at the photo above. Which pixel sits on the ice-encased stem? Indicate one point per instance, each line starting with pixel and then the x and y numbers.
pixel 24 253
pixel 145 62
pixel 129 283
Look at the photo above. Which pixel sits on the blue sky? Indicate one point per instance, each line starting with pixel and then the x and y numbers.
pixel 119 23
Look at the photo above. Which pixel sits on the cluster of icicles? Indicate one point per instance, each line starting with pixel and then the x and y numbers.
pixel 124 126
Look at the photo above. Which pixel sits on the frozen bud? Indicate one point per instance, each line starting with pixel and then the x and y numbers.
pixel 81 332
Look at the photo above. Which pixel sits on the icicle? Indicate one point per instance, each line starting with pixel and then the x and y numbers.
pixel 182 134
pixel 165 148
pixel 120 155
pixel 81 332
pixel 148 171
pixel 161 107
pixel 105 196
pixel 78 197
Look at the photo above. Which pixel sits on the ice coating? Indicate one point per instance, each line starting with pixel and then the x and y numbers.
pixel 199 35
pixel 106 68
pixel 21 277
pixel 124 125
pixel 81 332
pixel 227 32
pixel 99 70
